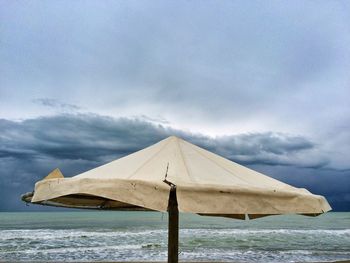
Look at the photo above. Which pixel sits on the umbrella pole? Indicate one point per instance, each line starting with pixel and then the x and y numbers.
pixel 173 227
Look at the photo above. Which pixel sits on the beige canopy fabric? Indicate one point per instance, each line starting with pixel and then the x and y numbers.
pixel 206 184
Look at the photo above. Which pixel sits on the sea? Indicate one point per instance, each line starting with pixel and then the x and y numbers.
pixel 142 236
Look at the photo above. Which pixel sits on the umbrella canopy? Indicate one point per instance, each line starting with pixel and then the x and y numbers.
pixel 174 175
pixel 206 184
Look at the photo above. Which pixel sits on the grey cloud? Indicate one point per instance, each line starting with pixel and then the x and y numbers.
pixel 54 103
pixel 268 148
pixel 255 143
pixel 30 149
pixel 71 137
pixel 157 119
pixel 228 59
pixel 98 138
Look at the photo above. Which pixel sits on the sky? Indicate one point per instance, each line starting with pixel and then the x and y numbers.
pixel 263 83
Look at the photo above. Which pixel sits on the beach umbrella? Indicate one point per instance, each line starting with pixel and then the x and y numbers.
pixel 174 175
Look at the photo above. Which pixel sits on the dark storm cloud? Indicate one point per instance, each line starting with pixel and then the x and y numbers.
pixel 30 149
pixel 264 148
pixel 75 137
pixel 99 138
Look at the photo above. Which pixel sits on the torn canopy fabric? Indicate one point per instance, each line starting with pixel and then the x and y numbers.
pixel 206 184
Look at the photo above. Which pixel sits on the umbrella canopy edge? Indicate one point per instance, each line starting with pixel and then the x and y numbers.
pixel 129 194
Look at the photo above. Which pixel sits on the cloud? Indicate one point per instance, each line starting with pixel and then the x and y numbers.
pixel 236 64
pixel 269 148
pixel 31 148
pixel 273 78
pixel 99 138
pixel 56 104
pixel 157 120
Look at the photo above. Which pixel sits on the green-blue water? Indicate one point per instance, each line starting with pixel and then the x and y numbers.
pixel 142 236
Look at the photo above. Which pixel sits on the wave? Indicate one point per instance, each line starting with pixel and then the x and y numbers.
pixel 48 233
pixel 196 244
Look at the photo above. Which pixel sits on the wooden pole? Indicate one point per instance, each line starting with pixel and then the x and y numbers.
pixel 173 227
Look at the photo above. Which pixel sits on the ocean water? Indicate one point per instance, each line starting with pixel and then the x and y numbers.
pixel 142 236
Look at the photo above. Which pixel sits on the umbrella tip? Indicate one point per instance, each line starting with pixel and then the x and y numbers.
pixel 174 137
pixel 27 197
pixel 54 174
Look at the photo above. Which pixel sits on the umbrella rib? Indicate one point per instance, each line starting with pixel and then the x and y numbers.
pixel 166 175
pixel 213 161
pixel 148 160
pixel 282 184
pixel 184 162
